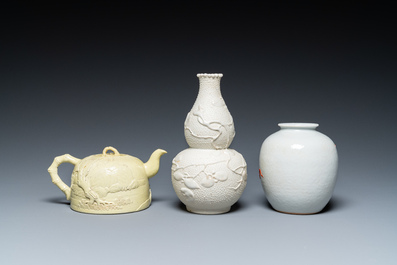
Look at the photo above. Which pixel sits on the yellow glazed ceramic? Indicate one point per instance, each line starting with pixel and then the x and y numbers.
pixel 108 183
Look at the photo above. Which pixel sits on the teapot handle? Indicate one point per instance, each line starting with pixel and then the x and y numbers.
pixel 53 170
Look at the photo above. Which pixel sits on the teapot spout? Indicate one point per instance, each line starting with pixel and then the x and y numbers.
pixel 153 164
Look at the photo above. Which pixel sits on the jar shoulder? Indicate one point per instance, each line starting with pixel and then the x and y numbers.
pixel 294 137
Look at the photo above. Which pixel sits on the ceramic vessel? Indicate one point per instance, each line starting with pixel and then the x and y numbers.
pixel 108 183
pixel 207 177
pixel 298 168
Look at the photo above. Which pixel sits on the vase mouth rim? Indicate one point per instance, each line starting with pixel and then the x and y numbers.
pixel 298 125
pixel 209 75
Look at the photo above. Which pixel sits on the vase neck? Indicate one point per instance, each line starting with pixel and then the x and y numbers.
pixel 209 84
pixel 298 126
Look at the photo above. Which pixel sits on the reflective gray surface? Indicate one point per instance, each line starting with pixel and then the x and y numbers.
pixel 78 81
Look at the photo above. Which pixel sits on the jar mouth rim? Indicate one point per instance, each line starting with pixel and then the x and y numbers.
pixel 298 125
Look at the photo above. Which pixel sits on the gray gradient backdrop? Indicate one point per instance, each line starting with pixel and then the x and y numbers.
pixel 75 79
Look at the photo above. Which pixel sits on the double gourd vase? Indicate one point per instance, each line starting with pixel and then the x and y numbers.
pixel 208 177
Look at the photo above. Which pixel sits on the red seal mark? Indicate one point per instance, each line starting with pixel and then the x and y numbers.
pixel 260 173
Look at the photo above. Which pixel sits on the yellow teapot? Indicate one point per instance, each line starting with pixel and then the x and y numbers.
pixel 108 183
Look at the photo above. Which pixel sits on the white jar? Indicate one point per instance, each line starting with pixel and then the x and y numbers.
pixel 298 168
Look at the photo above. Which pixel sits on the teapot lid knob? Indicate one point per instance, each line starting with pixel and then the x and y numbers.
pixel 109 148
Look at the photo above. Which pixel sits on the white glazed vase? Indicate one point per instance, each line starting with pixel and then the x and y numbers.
pixel 209 124
pixel 298 168
pixel 207 177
